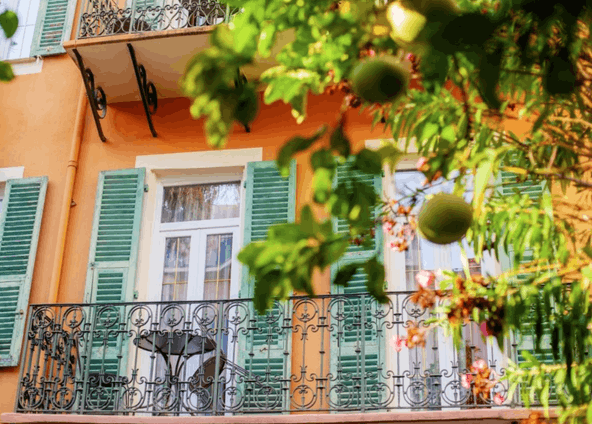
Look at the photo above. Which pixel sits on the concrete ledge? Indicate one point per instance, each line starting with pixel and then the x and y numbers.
pixel 484 416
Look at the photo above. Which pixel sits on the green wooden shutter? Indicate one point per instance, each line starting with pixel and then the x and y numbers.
pixel 111 270
pixel 527 336
pixel 357 340
pixel 264 352
pixel 54 25
pixel 20 222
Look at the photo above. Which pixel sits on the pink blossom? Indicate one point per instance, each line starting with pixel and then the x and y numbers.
pixel 465 381
pixel 483 328
pixel 498 399
pixel 421 163
pixel 479 365
pixel 425 278
pixel 371 53
pixel 387 227
pixel 397 343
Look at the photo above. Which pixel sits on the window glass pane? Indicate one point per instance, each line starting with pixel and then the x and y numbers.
pixel 200 202
pixel 218 266
pixel 176 268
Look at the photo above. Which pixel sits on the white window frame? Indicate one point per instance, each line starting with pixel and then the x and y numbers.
pixel 395 274
pixel 9 174
pixel 171 168
pixel 198 231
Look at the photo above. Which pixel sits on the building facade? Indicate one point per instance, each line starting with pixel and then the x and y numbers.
pixel 121 292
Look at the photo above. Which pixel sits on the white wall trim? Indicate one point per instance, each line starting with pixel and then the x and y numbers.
pixel 27 66
pixel 11 173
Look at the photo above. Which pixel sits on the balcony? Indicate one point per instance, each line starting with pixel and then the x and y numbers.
pixel 164 35
pixel 327 354
pixel 101 18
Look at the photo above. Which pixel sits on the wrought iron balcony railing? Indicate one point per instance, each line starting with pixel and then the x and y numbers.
pixel 331 353
pixel 112 17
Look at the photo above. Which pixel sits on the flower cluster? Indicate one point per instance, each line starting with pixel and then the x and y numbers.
pixel 480 382
pixel 403 231
pixel 416 336
pixel 397 343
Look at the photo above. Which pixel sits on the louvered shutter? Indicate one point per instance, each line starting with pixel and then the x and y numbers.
pixel 54 25
pixel 111 272
pixel 357 338
pixel 20 222
pixel 527 336
pixel 270 199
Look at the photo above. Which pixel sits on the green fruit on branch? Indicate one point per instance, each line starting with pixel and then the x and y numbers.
pixel 409 17
pixel 379 80
pixel 445 218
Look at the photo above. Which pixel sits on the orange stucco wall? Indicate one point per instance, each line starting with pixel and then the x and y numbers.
pixel 36 126
pixel 36 123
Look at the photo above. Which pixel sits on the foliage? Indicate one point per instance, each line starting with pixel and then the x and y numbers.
pixel 473 70
pixel 9 24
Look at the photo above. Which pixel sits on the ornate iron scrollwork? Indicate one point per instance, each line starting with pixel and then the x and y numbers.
pixel 96 95
pixel 147 90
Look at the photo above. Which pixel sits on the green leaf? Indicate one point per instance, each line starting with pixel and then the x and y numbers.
pixel 249 253
pixel 6 73
pixel 322 184
pixel 323 158
pixel 293 146
pixel 448 134
pixel 375 283
pixel 390 155
pixel 335 250
pixel 9 23
pixel 340 142
pixel 345 274
pixel 484 173
pixel 308 223
pixel 267 39
pixel 222 37
pixel 266 289
pixel 368 161
pixel 489 74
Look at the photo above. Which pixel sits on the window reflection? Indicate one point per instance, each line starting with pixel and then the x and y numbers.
pixel 218 266
pixel 176 268
pixel 200 202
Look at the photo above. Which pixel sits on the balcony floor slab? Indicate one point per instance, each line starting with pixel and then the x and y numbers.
pixel 483 416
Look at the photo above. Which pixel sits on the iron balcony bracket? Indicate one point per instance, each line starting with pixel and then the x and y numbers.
pixel 147 90
pixel 96 95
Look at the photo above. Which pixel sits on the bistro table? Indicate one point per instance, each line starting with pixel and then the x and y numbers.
pixel 175 343
pixel 168 343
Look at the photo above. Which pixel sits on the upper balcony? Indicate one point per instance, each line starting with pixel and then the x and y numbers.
pixel 103 18
pixel 164 36
pixel 334 353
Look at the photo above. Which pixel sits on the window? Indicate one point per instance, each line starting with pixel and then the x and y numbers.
pixel 437 367
pixel 42 28
pixel 19 46
pixel 198 232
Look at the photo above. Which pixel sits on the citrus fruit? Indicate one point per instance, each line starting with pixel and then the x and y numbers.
pixel 409 17
pixel 445 218
pixel 247 107
pixel 379 80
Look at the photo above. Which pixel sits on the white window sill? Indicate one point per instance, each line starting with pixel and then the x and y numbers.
pixel 26 66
